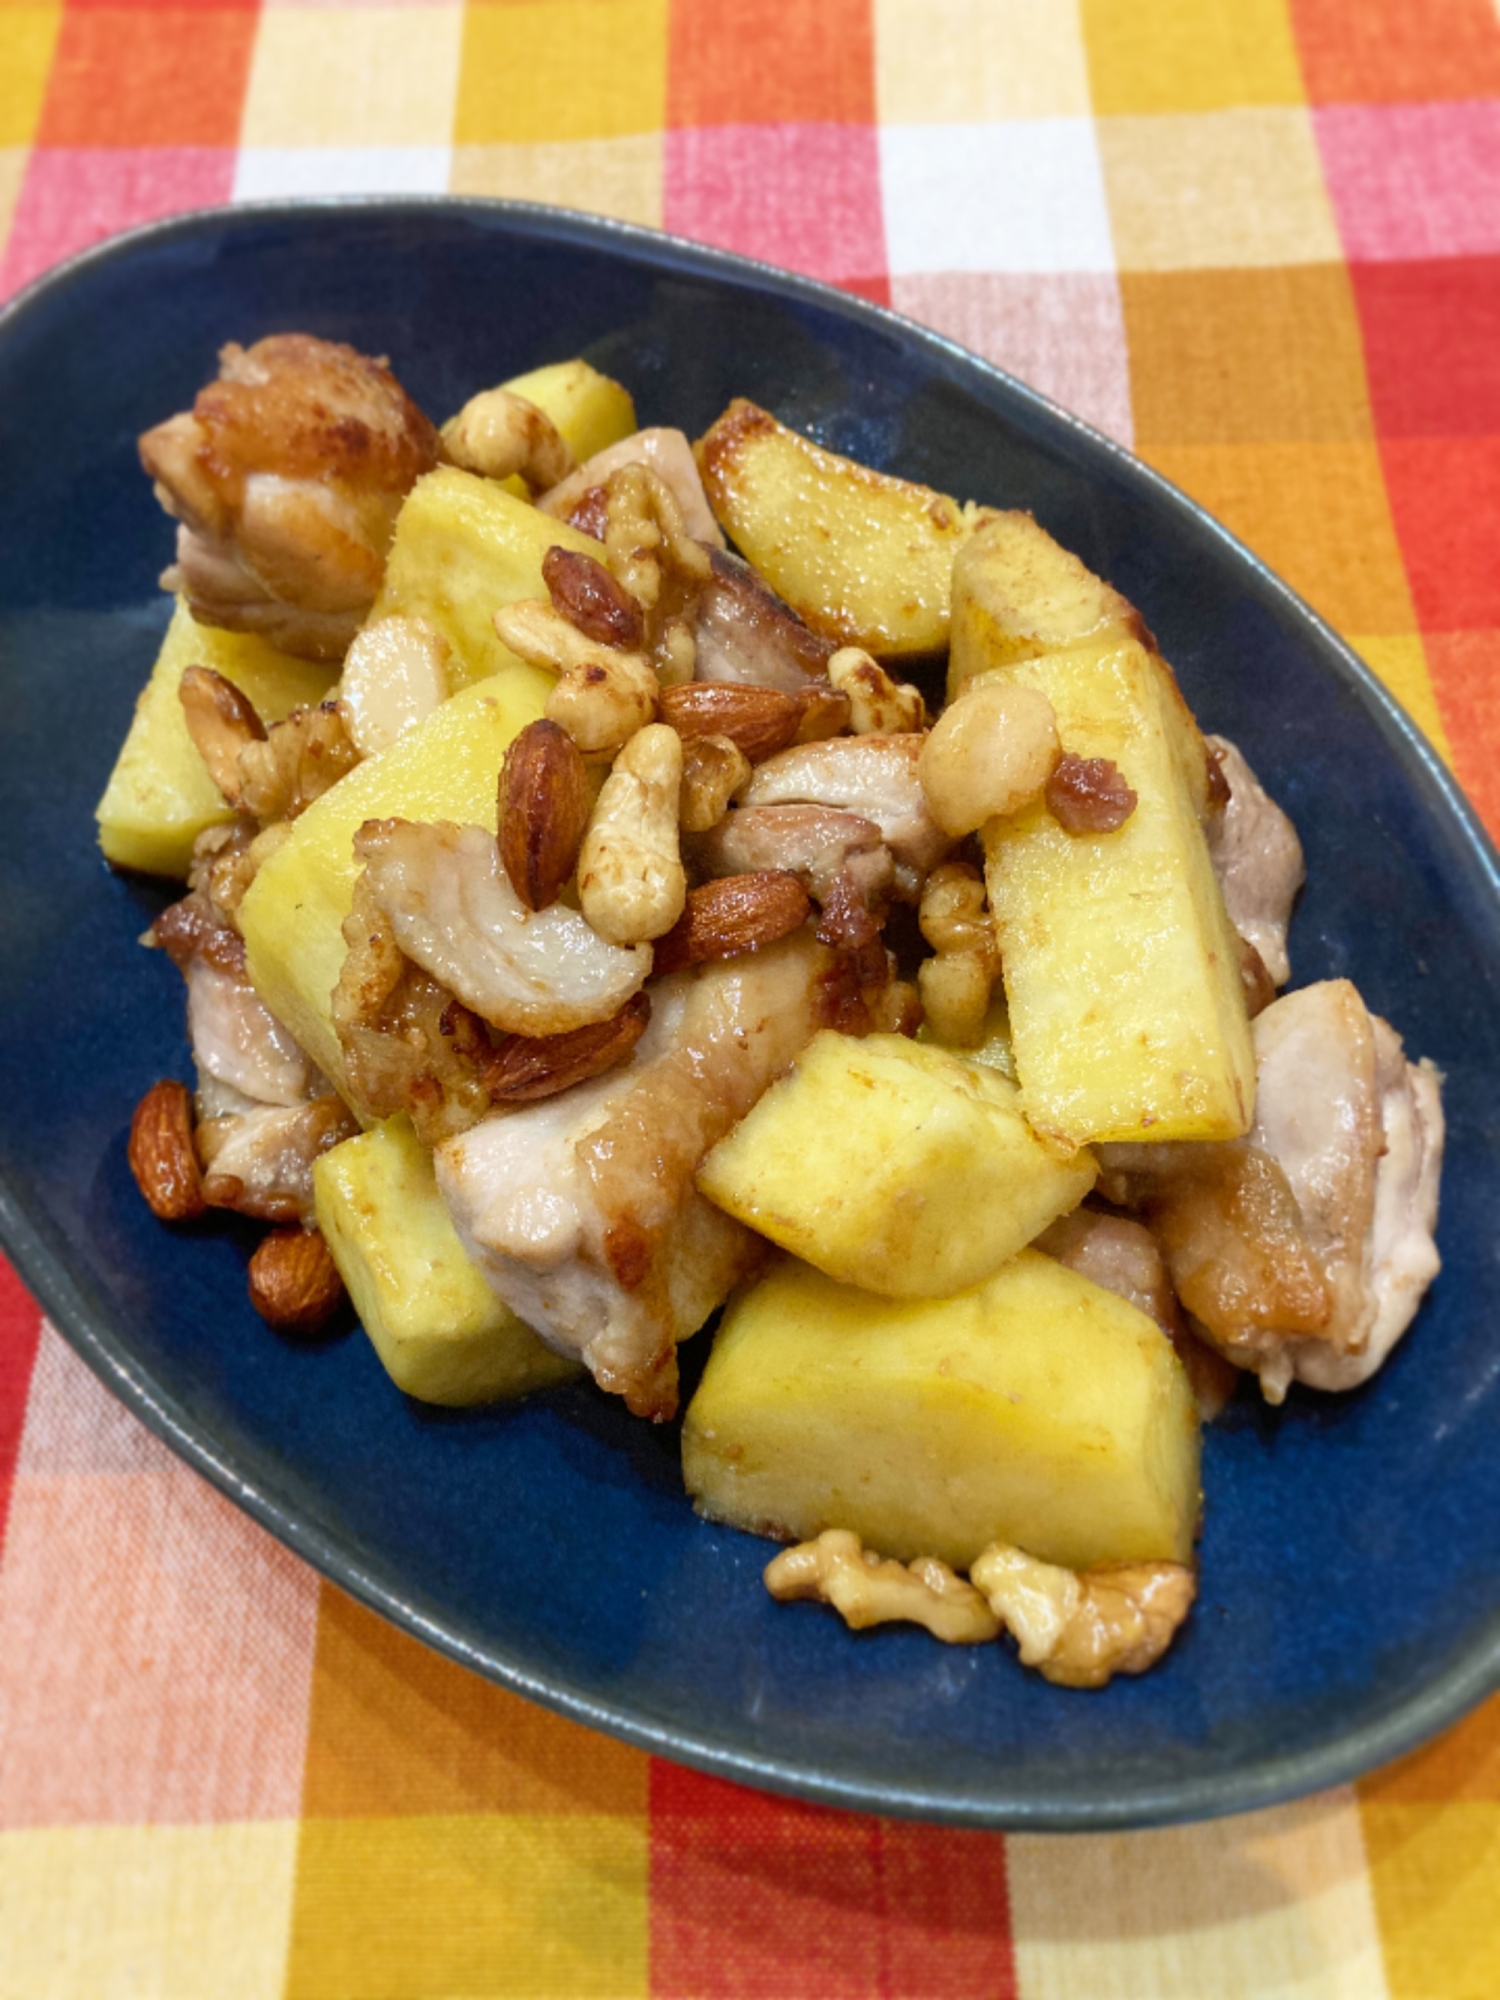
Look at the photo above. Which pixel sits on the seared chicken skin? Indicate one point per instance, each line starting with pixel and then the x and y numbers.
pixel 581 1210
pixel 264 1112
pixel 286 477
pixel 1304 1249
pixel 1257 858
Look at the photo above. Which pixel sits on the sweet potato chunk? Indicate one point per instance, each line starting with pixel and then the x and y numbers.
pixel 1037 1410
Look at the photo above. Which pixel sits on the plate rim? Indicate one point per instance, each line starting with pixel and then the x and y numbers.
pixel 26 1235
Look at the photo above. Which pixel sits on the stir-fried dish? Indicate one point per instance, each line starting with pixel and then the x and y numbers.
pixel 594 919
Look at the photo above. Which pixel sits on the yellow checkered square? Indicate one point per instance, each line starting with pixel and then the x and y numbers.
pixel 347 78
pixel 966 61
pixel 27 39
pixel 1149 56
pixel 176 1912
pixel 618 177
pixel 482 1905
pixel 544 71
pixel 1216 191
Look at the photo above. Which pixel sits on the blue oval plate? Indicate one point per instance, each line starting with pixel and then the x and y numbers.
pixel 1351 1559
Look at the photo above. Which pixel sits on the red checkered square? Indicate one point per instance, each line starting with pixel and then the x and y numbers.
pixel 803 195
pixel 73 197
pixel 1432 345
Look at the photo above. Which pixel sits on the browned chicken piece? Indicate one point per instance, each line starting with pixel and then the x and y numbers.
pixel 669 456
pixel 874 777
pixel 1304 1249
pixel 452 910
pixel 820 845
pixel 264 1112
pixel 286 477
pixel 259 1160
pixel 581 1210
pixel 1257 858
pixel 1124 1258
pixel 745 633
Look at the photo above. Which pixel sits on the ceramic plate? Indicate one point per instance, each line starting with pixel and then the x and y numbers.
pixel 1351 1560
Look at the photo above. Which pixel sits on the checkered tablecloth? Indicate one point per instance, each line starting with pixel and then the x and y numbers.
pixel 1258 240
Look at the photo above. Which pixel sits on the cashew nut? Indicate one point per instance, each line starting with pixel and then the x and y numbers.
pixel 864 1590
pixel 395 674
pixel 631 883
pixel 602 696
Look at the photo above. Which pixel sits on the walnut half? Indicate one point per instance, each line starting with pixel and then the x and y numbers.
pixel 1080 1629
pixel 865 1590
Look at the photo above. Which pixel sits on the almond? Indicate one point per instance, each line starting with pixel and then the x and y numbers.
pixel 591 599
pixel 221 721
pixel 294 1282
pixel 526 1067
pixel 162 1155
pixel 737 913
pixel 544 811
pixel 757 720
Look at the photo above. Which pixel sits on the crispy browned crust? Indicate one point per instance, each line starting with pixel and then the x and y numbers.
pixel 301 408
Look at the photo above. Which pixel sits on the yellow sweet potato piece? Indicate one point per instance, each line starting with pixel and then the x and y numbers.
pixel 590 410
pixel 865 559
pixel 1121 968
pixel 1036 1409
pixel 446 769
pixel 900 1168
pixel 160 797
pixel 1018 593
pixel 440 1332
pixel 463 547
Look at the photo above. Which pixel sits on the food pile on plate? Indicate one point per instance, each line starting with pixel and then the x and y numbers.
pixel 589 925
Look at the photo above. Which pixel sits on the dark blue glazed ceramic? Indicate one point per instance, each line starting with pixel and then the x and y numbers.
pixel 1351 1560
